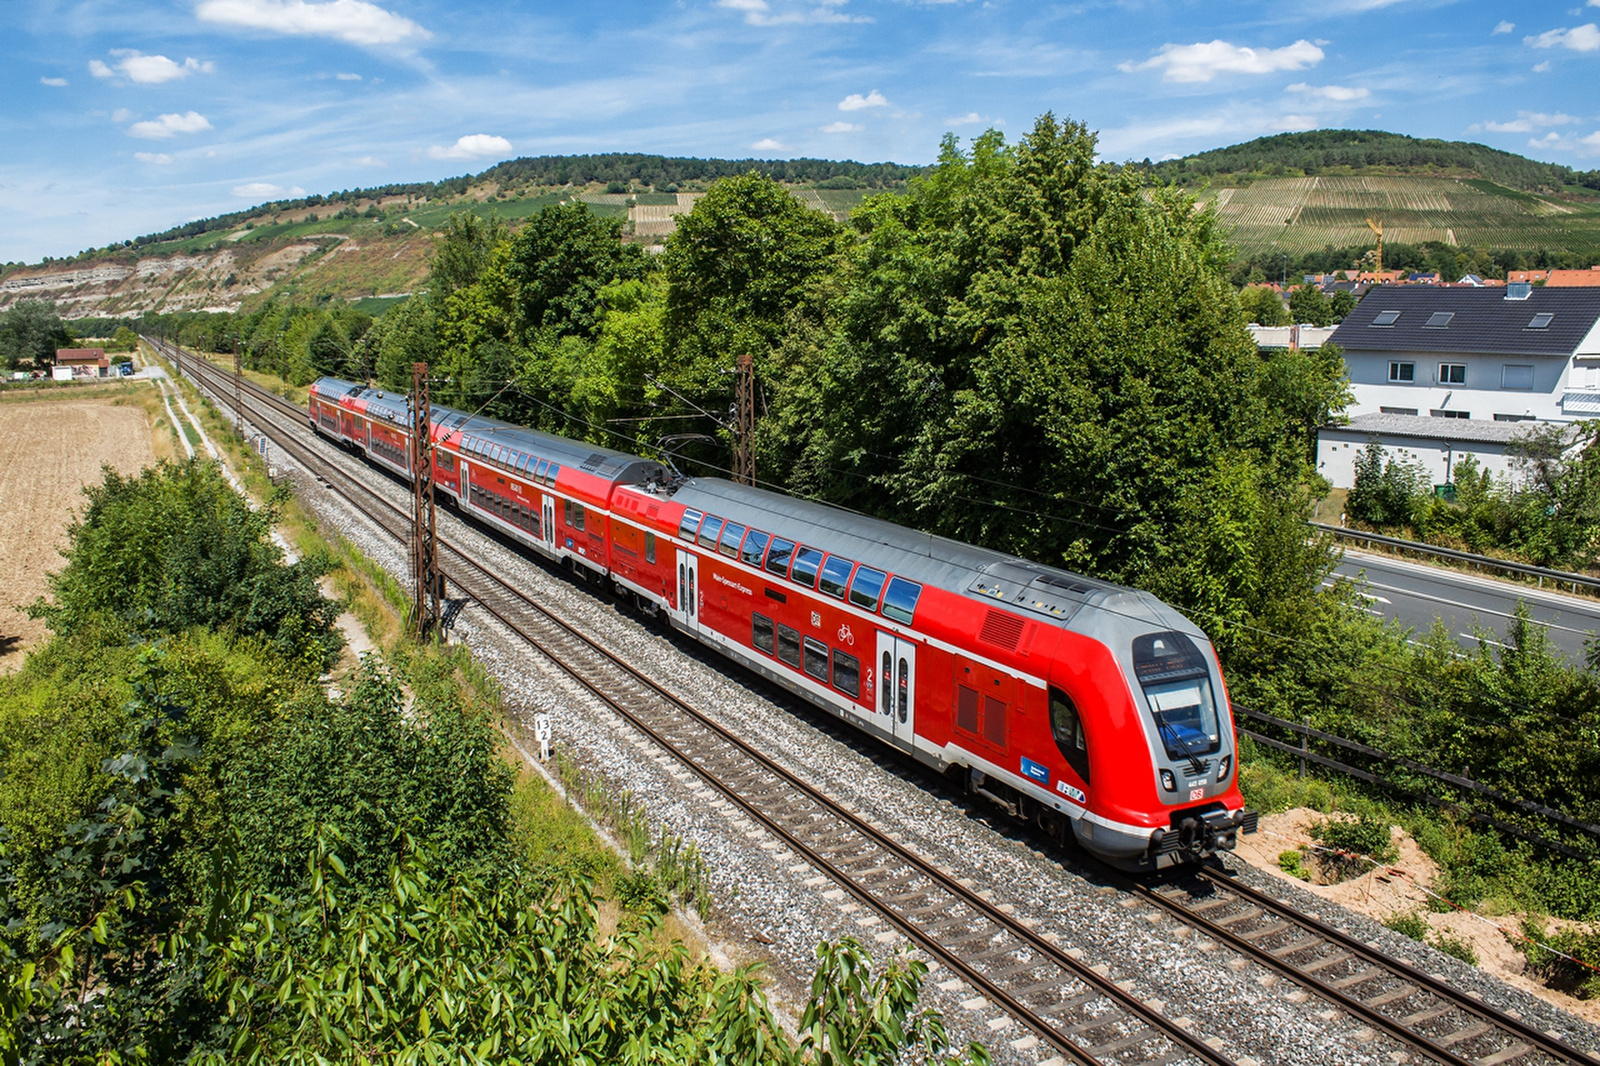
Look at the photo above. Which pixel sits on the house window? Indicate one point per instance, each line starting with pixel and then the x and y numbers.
pixel 1452 373
pixel 1397 410
pixel 1439 320
pixel 1516 376
pixel 1386 318
pixel 1513 418
pixel 1402 372
pixel 1450 414
pixel 1541 320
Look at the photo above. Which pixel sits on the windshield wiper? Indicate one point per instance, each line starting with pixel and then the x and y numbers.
pixel 1172 740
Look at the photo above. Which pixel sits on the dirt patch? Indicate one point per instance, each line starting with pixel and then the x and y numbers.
pixel 1398 888
pixel 53 448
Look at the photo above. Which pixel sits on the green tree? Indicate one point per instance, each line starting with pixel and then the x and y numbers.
pixel 175 547
pixel 1384 492
pixel 30 332
pixel 1341 303
pixel 1262 305
pixel 1308 304
pixel 561 260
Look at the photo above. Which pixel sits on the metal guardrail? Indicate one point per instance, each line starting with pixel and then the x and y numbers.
pixel 1558 577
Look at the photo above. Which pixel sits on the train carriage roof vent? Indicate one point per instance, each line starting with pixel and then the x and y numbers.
pixel 592 463
pixel 1002 630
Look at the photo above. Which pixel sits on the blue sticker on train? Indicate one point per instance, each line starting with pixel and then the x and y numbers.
pixel 1035 771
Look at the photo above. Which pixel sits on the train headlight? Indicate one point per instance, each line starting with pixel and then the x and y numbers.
pixel 1223 767
pixel 1168 781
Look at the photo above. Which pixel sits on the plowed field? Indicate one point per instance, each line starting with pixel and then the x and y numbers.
pixel 52 448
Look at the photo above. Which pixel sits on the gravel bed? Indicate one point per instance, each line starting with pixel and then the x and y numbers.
pixel 771 905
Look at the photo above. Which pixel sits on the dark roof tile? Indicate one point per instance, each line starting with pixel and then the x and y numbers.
pixel 1482 321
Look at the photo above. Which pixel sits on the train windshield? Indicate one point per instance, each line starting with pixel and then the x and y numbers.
pixel 1177 686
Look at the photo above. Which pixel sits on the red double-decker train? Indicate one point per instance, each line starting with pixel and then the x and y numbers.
pixel 1092 709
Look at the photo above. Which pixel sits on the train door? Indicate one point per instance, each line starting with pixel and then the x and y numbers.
pixel 549 524
pixel 896 670
pixel 688 608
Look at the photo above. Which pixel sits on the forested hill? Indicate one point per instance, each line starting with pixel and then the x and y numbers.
pixel 1320 151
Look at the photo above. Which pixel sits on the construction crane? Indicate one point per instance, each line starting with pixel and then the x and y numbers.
pixel 1377 227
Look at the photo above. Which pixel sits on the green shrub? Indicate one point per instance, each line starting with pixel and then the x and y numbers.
pixel 1573 966
pixel 1408 923
pixel 1456 948
pixel 1293 863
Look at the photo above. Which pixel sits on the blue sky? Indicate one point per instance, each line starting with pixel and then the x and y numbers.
pixel 124 118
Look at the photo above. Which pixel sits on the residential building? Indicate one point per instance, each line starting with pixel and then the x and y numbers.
pixel 1441 372
pixel 1460 352
pixel 1560 279
pixel 83 362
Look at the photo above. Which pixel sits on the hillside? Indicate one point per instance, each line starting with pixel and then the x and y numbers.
pixel 1358 152
pixel 372 246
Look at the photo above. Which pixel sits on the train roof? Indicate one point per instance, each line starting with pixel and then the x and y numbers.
pixel 334 388
pixel 979 573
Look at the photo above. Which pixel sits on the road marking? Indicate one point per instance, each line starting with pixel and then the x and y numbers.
pixel 1485 640
pixel 1500 585
pixel 1476 610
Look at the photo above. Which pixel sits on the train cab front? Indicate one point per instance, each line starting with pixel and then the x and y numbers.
pixel 1194 760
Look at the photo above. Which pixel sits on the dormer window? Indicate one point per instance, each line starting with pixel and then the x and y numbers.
pixel 1439 319
pixel 1541 320
pixel 1386 318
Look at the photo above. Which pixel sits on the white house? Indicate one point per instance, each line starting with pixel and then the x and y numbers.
pixel 1487 354
pixel 1437 445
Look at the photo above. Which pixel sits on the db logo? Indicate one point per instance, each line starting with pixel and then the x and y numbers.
pixel 845 636
pixel 1197 793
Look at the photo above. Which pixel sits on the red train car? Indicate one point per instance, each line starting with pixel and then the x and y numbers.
pixel 1090 708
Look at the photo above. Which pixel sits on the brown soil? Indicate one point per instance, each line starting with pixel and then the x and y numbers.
pixel 53 447
pixel 1385 891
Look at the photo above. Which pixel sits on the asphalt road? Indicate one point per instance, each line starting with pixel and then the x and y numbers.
pixel 1414 594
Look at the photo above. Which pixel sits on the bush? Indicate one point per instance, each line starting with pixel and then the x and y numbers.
pixel 1578 973
pixel 1408 923
pixel 1293 863
pixel 1456 948
pixel 1350 843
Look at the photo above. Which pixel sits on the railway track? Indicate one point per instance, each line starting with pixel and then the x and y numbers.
pixel 1066 1001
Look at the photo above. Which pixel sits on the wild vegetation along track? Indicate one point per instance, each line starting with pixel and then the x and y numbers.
pixel 951 920
pixel 1064 1000
pixel 1387 993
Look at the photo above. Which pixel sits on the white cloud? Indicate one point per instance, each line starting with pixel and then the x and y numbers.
pixel 841 127
pixel 856 102
pixel 148 70
pixel 1526 122
pixel 760 13
pixel 1503 27
pixel 1202 62
pixel 265 190
pixel 368 161
pixel 159 159
pixel 168 125
pixel 971 118
pixel 353 21
pixel 348 77
pixel 57 82
pixel 1337 93
pixel 1585 38
pixel 472 146
pixel 121 114
pixel 769 144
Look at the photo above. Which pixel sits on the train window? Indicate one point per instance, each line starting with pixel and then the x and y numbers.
pixel 806 561
pixel 1067 727
pixel 865 588
pixel 732 536
pixel 846 673
pixel 836 575
pixel 967 708
pixel 1177 685
pixel 710 529
pixel 779 555
pixel 687 526
pixel 816 662
pixel 538 471
pixel 755 542
pixel 649 547
pixel 577 516
pixel 762 632
pixel 994 721
pixel 551 474
pixel 887 697
pixel 900 600
pixel 522 464
pixel 789 645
